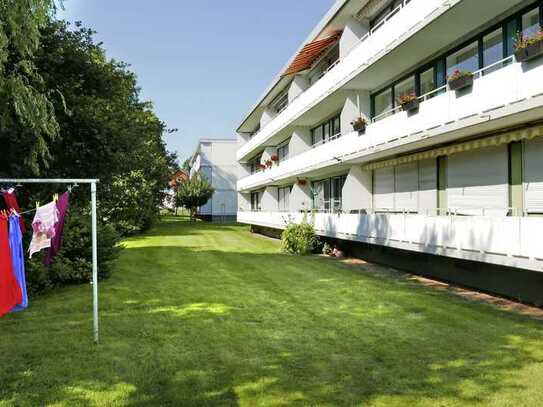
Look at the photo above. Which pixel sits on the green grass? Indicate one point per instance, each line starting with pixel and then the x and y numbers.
pixel 198 314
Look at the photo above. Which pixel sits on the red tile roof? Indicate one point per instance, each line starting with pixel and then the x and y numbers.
pixel 310 53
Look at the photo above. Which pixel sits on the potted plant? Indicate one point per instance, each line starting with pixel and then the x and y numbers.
pixel 460 80
pixel 262 166
pixel 302 182
pixel 274 158
pixel 269 163
pixel 359 124
pixel 409 101
pixel 528 48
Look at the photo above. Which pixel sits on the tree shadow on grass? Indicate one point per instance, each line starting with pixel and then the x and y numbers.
pixel 224 328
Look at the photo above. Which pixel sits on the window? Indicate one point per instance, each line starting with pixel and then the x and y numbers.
pixel 427 81
pixel 328 194
pixel 327 131
pixel 493 49
pixel 530 23
pixel 283 195
pixel 282 151
pixel 280 103
pixel 255 201
pixel 382 102
pixel 404 87
pixel 466 59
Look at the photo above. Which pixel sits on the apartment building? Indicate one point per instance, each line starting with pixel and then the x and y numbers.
pixel 215 159
pixel 412 131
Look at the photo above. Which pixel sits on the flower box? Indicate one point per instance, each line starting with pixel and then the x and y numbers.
pixel 460 80
pixel 529 52
pixel 409 102
pixel 359 125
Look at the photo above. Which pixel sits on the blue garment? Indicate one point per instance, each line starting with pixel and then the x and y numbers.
pixel 17 256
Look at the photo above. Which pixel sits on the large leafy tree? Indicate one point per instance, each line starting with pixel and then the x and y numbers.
pixel 194 193
pixel 27 118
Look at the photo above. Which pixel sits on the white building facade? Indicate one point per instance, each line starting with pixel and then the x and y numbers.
pixel 442 168
pixel 215 159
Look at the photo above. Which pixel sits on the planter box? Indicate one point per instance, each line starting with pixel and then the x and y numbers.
pixel 461 83
pixel 410 106
pixel 360 128
pixel 532 51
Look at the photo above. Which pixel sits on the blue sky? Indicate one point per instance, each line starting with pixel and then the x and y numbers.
pixel 203 63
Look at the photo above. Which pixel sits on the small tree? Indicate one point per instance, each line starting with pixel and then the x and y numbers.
pixel 194 193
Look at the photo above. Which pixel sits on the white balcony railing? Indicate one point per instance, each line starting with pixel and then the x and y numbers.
pixel 494 91
pixel 362 55
pixel 504 240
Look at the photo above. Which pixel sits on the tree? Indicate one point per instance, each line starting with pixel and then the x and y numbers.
pixel 194 193
pixel 27 117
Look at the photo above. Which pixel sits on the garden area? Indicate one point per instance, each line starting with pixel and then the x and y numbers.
pixel 203 314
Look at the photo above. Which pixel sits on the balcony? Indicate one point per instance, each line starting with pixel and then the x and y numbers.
pixel 371 47
pixel 510 241
pixel 499 98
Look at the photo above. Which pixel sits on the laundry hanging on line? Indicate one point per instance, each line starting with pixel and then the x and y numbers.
pixel 10 290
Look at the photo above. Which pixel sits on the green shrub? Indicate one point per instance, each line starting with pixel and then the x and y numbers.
pixel 299 239
pixel 73 264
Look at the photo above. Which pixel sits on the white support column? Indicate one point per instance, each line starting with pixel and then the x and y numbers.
pixel 267 116
pixel 354 30
pixel 244 202
pixel 300 141
pixel 357 104
pixel 269 200
pixel 300 198
pixel 357 190
pixel 299 85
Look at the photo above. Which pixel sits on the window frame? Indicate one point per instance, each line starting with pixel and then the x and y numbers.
pixel 326 123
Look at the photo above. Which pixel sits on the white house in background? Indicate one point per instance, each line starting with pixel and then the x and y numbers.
pixel 454 180
pixel 215 159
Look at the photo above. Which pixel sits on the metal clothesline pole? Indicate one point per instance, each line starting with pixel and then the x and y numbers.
pixel 92 183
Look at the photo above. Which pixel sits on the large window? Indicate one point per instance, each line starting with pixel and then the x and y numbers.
pixel 493 49
pixel 327 194
pixel 327 131
pixel 283 195
pixel 282 151
pixel 255 201
pixel 465 59
pixel 486 49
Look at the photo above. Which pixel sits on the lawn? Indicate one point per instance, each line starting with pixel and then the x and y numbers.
pixel 199 314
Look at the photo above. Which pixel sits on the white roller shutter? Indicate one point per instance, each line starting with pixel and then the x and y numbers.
pixel 428 187
pixel 478 182
pixel 406 187
pixel 533 175
pixel 383 188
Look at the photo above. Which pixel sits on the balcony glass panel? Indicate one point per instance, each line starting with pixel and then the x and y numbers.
pixel 466 59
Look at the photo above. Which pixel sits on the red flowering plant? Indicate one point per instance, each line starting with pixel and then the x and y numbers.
pixel 274 158
pixel 458 74
pixel 269 163
pixel 262 166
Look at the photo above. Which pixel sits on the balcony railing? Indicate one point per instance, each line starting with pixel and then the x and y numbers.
pixel 359 56
pixel 502 88
pixel 506 240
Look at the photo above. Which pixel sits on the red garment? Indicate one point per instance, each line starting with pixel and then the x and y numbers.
pixel 11 203
pixel 10 291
